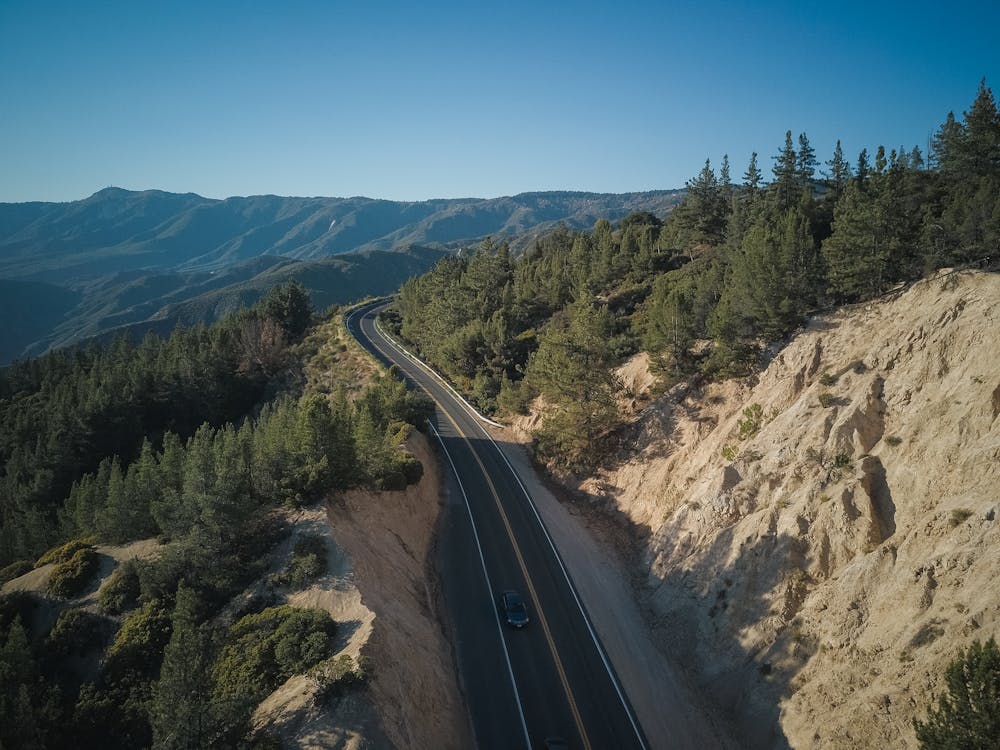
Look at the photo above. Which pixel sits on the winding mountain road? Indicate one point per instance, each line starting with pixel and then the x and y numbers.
pixel 552 678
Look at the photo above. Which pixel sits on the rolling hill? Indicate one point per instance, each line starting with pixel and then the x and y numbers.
pixel 125 260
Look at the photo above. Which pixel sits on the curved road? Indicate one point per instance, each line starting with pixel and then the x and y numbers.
pixel 551 679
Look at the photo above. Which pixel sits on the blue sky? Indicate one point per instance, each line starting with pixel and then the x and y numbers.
pixel 411 100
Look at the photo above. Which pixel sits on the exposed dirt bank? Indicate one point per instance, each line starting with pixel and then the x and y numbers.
pixel 389 537
pixel 816 575
pixel 376 588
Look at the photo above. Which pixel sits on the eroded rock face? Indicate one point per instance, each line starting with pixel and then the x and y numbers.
pixel 818 584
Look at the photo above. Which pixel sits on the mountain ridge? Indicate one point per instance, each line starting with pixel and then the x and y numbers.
pixel 119 259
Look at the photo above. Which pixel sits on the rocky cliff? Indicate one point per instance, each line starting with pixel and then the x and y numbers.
pixel 818 542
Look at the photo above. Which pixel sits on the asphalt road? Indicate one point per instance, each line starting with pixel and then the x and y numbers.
pixel 522 686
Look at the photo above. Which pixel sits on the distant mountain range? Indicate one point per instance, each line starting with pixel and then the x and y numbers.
pixel 124 260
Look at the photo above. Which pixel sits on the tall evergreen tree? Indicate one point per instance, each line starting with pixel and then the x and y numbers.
pixel 182 708
pixel 805 163
pixel 572 370
pixel 752 177
pixel 863 170
pixel 786 183
pixel 979 146
pixel 855 259
pixel 840 171
pixel 946 147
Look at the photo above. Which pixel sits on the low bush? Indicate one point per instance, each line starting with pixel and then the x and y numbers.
pixel 827 400
pixel 121 591
pixel 76 632
pixel 753 418
pixel 139 645
pixel 63 552
pixel 337 674
pixel 391 481
pixel 959 516
pixel 263 650
pixel 307 563
pixel 71 577
pixel 411 468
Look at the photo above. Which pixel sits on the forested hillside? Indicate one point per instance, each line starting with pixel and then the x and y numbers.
pixel 197 441
pixel 737 266
pixel 149 260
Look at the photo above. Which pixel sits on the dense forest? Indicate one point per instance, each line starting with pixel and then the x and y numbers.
pixel 734 268
pixel 197 441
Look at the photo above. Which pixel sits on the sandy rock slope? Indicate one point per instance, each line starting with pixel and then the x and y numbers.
pixel 820 542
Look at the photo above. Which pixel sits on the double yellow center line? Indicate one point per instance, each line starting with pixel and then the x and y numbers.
pixel 521 563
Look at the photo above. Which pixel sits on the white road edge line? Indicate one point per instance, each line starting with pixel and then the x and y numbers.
pixel 482 561
pixel 562 567
pixel 433 372
pixel 489 585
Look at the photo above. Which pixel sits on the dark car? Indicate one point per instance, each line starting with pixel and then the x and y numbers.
pixel 514 611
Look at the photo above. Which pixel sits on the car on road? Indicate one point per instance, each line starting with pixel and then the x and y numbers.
pixel 514 611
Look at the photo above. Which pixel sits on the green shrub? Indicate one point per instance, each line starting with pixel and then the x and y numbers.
pixel 307 563
pixel 730 452
pixel 63 552
pixel 70 578
pixel 15 570
pixel 120 592
pixel 753 418
pixel 339 673
pixel 827 400
pixel 842 460
pixel 391 481
pixel 263 650
pixel 968 713
pixel 76 632
pixel 139 645
pixel 894 440
pixel 828 379
pixel 412 469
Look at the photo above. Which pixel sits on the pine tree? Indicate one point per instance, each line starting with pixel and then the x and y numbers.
pixel 725 180
pixel 115 518
pixel 571 368
pixel 979 146
pixel 18 691
pixel 182 709
pixel 707 207
pixel 752 177
pixel 855 259
pixel 863 170
pixel 805 164
pixel 946 147
pixel 786 183
pixel 967 716
pixel 840 171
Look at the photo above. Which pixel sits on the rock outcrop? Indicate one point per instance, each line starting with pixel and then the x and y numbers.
pixel 820 543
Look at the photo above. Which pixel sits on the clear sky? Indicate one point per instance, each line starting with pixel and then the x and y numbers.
pixel 411 100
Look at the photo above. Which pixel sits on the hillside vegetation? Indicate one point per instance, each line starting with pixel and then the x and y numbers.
pixel 150 260
pixel 817 543
pixel 735 268
pixel 200 441
pixel 808 482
